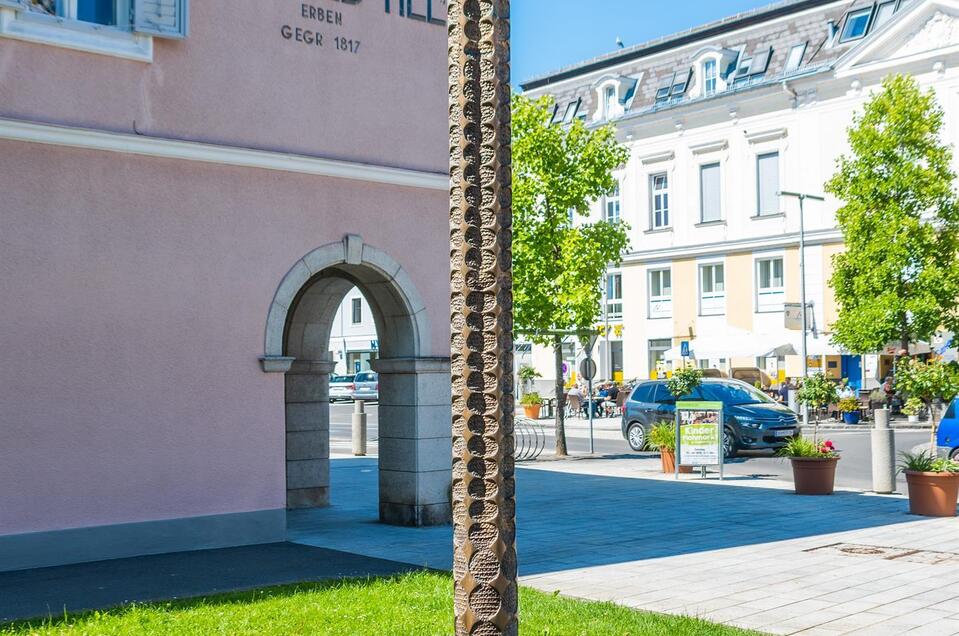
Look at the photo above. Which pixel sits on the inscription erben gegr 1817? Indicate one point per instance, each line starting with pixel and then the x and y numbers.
pixel 314 17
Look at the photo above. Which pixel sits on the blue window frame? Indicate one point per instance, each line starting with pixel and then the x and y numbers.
pixel 857 25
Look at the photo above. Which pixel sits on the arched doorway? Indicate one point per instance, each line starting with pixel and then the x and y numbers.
pixel 414 406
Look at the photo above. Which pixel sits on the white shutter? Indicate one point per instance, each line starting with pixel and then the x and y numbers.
pixel 162 18
pixel 710 192
pixel 767 177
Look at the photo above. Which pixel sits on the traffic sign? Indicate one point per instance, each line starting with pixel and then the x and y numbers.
pixel 684 348
pixel 587 368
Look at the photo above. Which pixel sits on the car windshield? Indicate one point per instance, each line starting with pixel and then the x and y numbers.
pixel 341 378
pixel 734 394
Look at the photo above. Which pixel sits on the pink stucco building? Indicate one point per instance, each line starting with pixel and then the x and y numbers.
pixel 187 190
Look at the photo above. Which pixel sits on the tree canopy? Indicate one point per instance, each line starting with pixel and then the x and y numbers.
pixel 558 262
pixel 898 280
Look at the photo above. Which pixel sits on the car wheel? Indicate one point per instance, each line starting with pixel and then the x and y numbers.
pixel 729 444
pixel 636 437
pixel 954 454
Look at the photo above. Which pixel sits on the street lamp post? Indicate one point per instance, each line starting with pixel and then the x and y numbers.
pixel 802 283
pixel 481 310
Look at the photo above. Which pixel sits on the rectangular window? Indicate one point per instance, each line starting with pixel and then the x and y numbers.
pixel 657 354
pixel 712 289
pixel 767 184
pixel 709 78
pixel 857 25
pixel 105 12
pixel 571 109
pixel 609 102
pixel 614 296
pixel 794 61
pixel 710 192
pixel 660 293
pixel 659 201
pixel 612 205
pixel 357 311
pixel 770 285
pixel 884 13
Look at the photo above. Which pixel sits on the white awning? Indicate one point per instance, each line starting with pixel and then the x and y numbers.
pixel 740 344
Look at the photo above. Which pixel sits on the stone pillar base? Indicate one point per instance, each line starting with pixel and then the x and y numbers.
pixel 308 498
pixel 409 515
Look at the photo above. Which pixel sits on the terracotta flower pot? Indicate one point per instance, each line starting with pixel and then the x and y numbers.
pixel 933 494
pixel 532 411
pixel 814 475
pixel 668 460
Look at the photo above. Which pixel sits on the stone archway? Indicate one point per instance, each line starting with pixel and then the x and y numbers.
pixel 414 408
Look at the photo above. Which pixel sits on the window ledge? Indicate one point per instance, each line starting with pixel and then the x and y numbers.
pixel 659 318
pixel 659 230
pixel 75 35
pixel 770 311
pixel 777 215
pixel 710 223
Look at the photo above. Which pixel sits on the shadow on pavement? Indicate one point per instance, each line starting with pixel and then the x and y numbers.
pixel 568 520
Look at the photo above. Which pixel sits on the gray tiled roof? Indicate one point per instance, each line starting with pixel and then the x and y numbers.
pixel 746 34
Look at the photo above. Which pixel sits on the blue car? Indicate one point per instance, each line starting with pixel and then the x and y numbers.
pixel 947 437
pixel 753 420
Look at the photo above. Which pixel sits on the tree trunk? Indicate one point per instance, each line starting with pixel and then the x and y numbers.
pixel 560 398
pixel 484 595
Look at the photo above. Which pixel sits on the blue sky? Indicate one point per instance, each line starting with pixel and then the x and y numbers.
pixel 549 34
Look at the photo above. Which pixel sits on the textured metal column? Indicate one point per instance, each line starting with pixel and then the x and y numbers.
pixel 484 507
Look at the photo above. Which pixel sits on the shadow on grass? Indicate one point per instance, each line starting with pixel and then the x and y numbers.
pixel 413 603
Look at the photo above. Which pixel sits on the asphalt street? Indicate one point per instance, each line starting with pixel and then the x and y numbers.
pixel 854 471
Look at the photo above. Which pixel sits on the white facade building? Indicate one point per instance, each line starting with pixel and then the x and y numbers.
pixel 719 120
pixel 353 340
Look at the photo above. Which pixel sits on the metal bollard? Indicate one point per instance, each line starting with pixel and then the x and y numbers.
pixel 359 428
pixel 883 454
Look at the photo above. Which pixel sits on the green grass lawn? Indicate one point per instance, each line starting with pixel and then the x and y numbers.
pixel 412 604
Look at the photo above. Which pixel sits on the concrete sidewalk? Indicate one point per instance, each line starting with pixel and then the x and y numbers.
pixel 744 551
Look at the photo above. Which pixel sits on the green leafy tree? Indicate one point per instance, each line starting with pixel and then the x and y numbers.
pixel 683 381
pixel 558 263
pixel 898 279
pixel 930 382
pixel 816 392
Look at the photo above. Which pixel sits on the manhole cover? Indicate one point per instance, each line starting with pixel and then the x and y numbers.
pixel 927 557
pixel 855 549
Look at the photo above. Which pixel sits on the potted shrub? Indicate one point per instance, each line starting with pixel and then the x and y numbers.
pixel 532 403
pixel 527 375
pixel 663 437
pixel 816 392
pixel 933 484
pixel 681 384
pixel 849 407
pixel 814 465
pixel 912 408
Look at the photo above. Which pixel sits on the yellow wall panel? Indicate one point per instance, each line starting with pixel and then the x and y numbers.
pixel 829 306
pixel 791 272
pixel 739 291
pixel 685 295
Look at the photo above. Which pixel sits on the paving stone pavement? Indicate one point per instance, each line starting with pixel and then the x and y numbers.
pixel 744 552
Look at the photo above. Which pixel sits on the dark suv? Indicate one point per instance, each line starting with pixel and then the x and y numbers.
pixel 753 420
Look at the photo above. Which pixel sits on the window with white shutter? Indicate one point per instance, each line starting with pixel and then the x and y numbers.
pixel 767 184
pixel 162 18
pixel 710 193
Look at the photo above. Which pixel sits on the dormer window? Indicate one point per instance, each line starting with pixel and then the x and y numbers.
pixel 571 109
pixel 709 78
pixel 884 13
pixel 857 25
pixel 794 61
